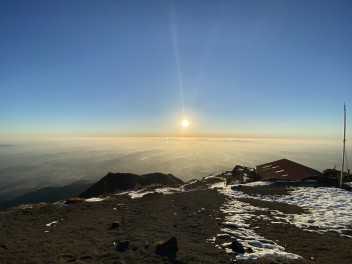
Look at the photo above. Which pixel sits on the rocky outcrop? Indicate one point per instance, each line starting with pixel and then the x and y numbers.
pixel 113 182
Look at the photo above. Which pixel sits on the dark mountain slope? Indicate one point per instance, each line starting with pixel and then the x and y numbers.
pixel 47 194
pixel 125 181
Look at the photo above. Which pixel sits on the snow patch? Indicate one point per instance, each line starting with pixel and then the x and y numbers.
pixel 237 214
pixel 330 209
pixel 95 199
pixel 142 192
pixel 53 223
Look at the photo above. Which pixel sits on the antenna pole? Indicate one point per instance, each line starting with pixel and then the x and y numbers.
pixel 344 145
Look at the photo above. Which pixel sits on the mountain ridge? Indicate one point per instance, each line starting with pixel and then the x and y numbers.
pixel 113 182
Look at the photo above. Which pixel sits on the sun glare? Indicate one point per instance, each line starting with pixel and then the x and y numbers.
pixel 185 123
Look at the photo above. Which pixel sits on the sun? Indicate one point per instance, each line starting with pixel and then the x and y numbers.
pixel 185 123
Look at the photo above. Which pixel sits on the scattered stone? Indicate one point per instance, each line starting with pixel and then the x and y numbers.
pixel 237 247
pixel 249 250
pixel 115 225
pixel 122 245
pixel 86 257
pixel 168 247
pixel 3 247
pixel 175 225
pixel 201 210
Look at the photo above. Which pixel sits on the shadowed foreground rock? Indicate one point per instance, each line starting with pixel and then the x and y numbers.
pixel 115 225
pixel 167 248
pixel 122 245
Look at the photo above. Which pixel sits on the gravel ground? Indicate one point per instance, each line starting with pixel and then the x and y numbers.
pixel 82 233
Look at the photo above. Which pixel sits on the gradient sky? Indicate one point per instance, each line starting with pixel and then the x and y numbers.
pixel 235 68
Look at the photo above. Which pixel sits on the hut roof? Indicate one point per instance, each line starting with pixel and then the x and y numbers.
pixel 285 169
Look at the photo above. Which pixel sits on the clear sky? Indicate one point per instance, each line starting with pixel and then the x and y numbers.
pixel 136 68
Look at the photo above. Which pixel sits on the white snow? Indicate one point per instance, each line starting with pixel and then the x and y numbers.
pixel 95 199
pixel 348 184
pixel 164 190
pixel 330 209
pixel 237 215
pixel 217 185
pixel 211 240
pixel 257 183
pixel 52 223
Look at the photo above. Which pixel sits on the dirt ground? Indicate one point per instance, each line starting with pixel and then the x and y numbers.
pixel 83 234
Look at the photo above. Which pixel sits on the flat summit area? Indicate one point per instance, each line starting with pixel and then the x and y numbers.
pixel 201 221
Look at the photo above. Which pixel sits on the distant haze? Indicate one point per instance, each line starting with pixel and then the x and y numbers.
pixel 32 164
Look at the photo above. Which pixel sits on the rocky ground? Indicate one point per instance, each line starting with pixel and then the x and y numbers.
pixel 186 225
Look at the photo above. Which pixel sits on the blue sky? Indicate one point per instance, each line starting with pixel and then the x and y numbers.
pixel 245 68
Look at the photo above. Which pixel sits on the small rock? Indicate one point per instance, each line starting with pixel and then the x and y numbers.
pixel 122 245
pixel 115 225
pixel 86 257
pixel 249 250
pixel 237 247
pixel 175 225
pixel 146 245
pixel 3 247
pixel 134 248
pixel 168 247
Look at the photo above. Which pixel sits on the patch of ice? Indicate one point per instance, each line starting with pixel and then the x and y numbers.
pixel 95 199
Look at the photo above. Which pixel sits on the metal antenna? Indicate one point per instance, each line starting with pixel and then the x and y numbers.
pixel 344 145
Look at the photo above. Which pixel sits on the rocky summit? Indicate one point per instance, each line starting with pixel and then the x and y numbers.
pixel 201 221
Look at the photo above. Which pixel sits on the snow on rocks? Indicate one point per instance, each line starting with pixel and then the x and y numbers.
pixel 142 192
pixel 94 199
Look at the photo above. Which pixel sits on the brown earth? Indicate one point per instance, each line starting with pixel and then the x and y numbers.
pixel 83 233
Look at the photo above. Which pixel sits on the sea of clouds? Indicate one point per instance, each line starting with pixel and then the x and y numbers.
pixel 39 162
